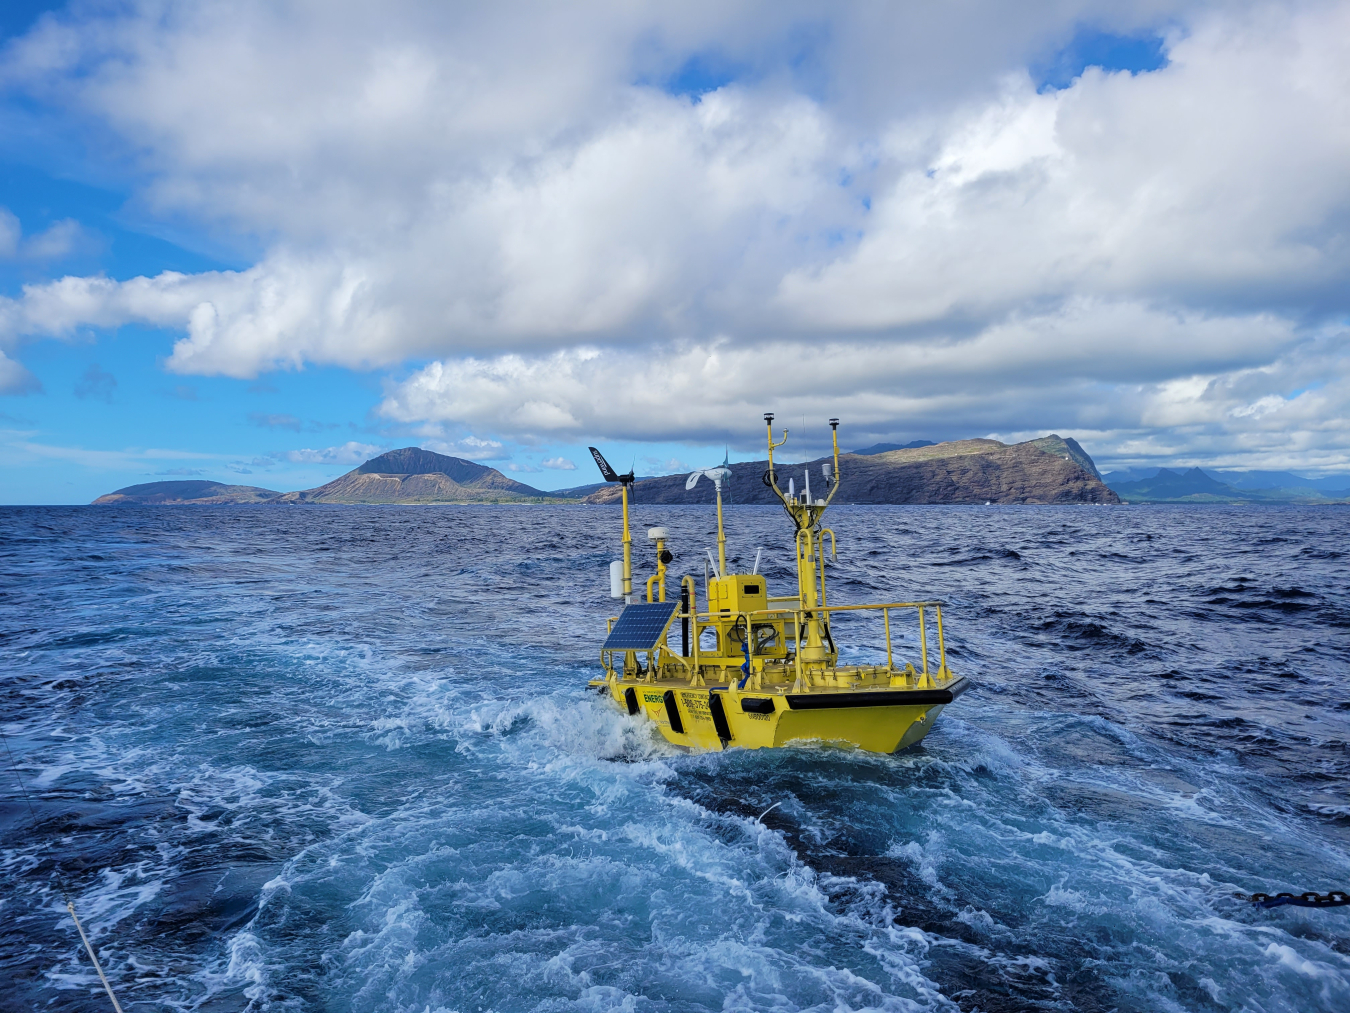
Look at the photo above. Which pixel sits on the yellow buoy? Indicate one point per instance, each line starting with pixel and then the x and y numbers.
pixel 771 674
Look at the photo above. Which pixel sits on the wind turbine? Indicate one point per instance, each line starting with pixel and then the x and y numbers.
pixel 719 474
pixel 625 481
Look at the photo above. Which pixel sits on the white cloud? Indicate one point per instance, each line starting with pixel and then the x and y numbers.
pixel 893 226
pixel 559 464
pixel 470 448
pixel 670 466
pixel 19 447
pixel 15 378
pixel 350 452
pixel 56 241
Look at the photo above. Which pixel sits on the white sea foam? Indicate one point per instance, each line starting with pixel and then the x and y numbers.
pixel 404 802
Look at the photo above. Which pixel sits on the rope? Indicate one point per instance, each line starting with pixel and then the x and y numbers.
pixel 60 882
pixel 97 966
pixel 767 811
pixel 1336 898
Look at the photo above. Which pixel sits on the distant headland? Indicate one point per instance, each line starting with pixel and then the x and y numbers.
pixel 1048 470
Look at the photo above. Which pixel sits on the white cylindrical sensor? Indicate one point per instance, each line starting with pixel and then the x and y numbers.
pixel 616 579
pixel 656 534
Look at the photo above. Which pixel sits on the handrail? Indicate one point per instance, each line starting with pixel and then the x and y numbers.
pixel 923 643
pixel 799 617
pixel 718 617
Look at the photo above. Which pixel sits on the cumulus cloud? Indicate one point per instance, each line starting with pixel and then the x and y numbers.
pixel 350 452
pixel 470 448
pixel 694 389
pixel 559 464
pixel 890 222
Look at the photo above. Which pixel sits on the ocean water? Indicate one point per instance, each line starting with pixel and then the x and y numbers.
pixel 343 759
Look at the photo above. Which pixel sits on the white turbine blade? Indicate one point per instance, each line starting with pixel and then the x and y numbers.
pixel 692 480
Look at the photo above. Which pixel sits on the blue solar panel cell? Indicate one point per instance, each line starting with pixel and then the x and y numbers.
pixel 640 626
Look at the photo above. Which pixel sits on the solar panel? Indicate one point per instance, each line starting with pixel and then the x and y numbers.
pixel 640 626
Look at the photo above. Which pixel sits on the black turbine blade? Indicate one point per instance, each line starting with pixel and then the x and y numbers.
pixel 606 472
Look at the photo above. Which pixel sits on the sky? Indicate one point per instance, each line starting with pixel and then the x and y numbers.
pixel 261 242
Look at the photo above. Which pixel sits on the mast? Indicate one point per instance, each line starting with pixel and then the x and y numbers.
pixel 610 475
pixel 722 471
pixel 817 645
pixel 627 545
pixel 721 535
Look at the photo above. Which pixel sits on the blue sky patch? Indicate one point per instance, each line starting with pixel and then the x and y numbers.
pixel 702 73
pixel 108 241
pixel 1090 48
pixel 17 16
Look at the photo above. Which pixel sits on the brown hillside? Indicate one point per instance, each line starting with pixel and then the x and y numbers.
pixel 1048 470
pixel 413 475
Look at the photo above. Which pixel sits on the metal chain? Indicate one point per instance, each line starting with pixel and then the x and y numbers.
pixel 1336 898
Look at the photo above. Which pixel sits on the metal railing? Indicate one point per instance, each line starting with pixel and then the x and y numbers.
pixel 800 617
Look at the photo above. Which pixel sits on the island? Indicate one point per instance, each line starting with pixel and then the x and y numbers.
pixel 1048 470
pixel 194 492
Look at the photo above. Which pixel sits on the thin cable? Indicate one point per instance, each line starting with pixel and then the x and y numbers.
pixel 97 966
pixel 60 882
pixel 768 810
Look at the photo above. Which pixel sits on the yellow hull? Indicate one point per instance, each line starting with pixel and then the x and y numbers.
pixel 703 718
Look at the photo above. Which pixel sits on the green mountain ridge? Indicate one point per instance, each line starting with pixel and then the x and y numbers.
pixel 193 492
pixel 1197 486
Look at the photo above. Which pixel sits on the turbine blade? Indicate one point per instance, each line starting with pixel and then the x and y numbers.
pixel 606 472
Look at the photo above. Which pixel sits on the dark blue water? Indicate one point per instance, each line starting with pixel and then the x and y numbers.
pixel 342 759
